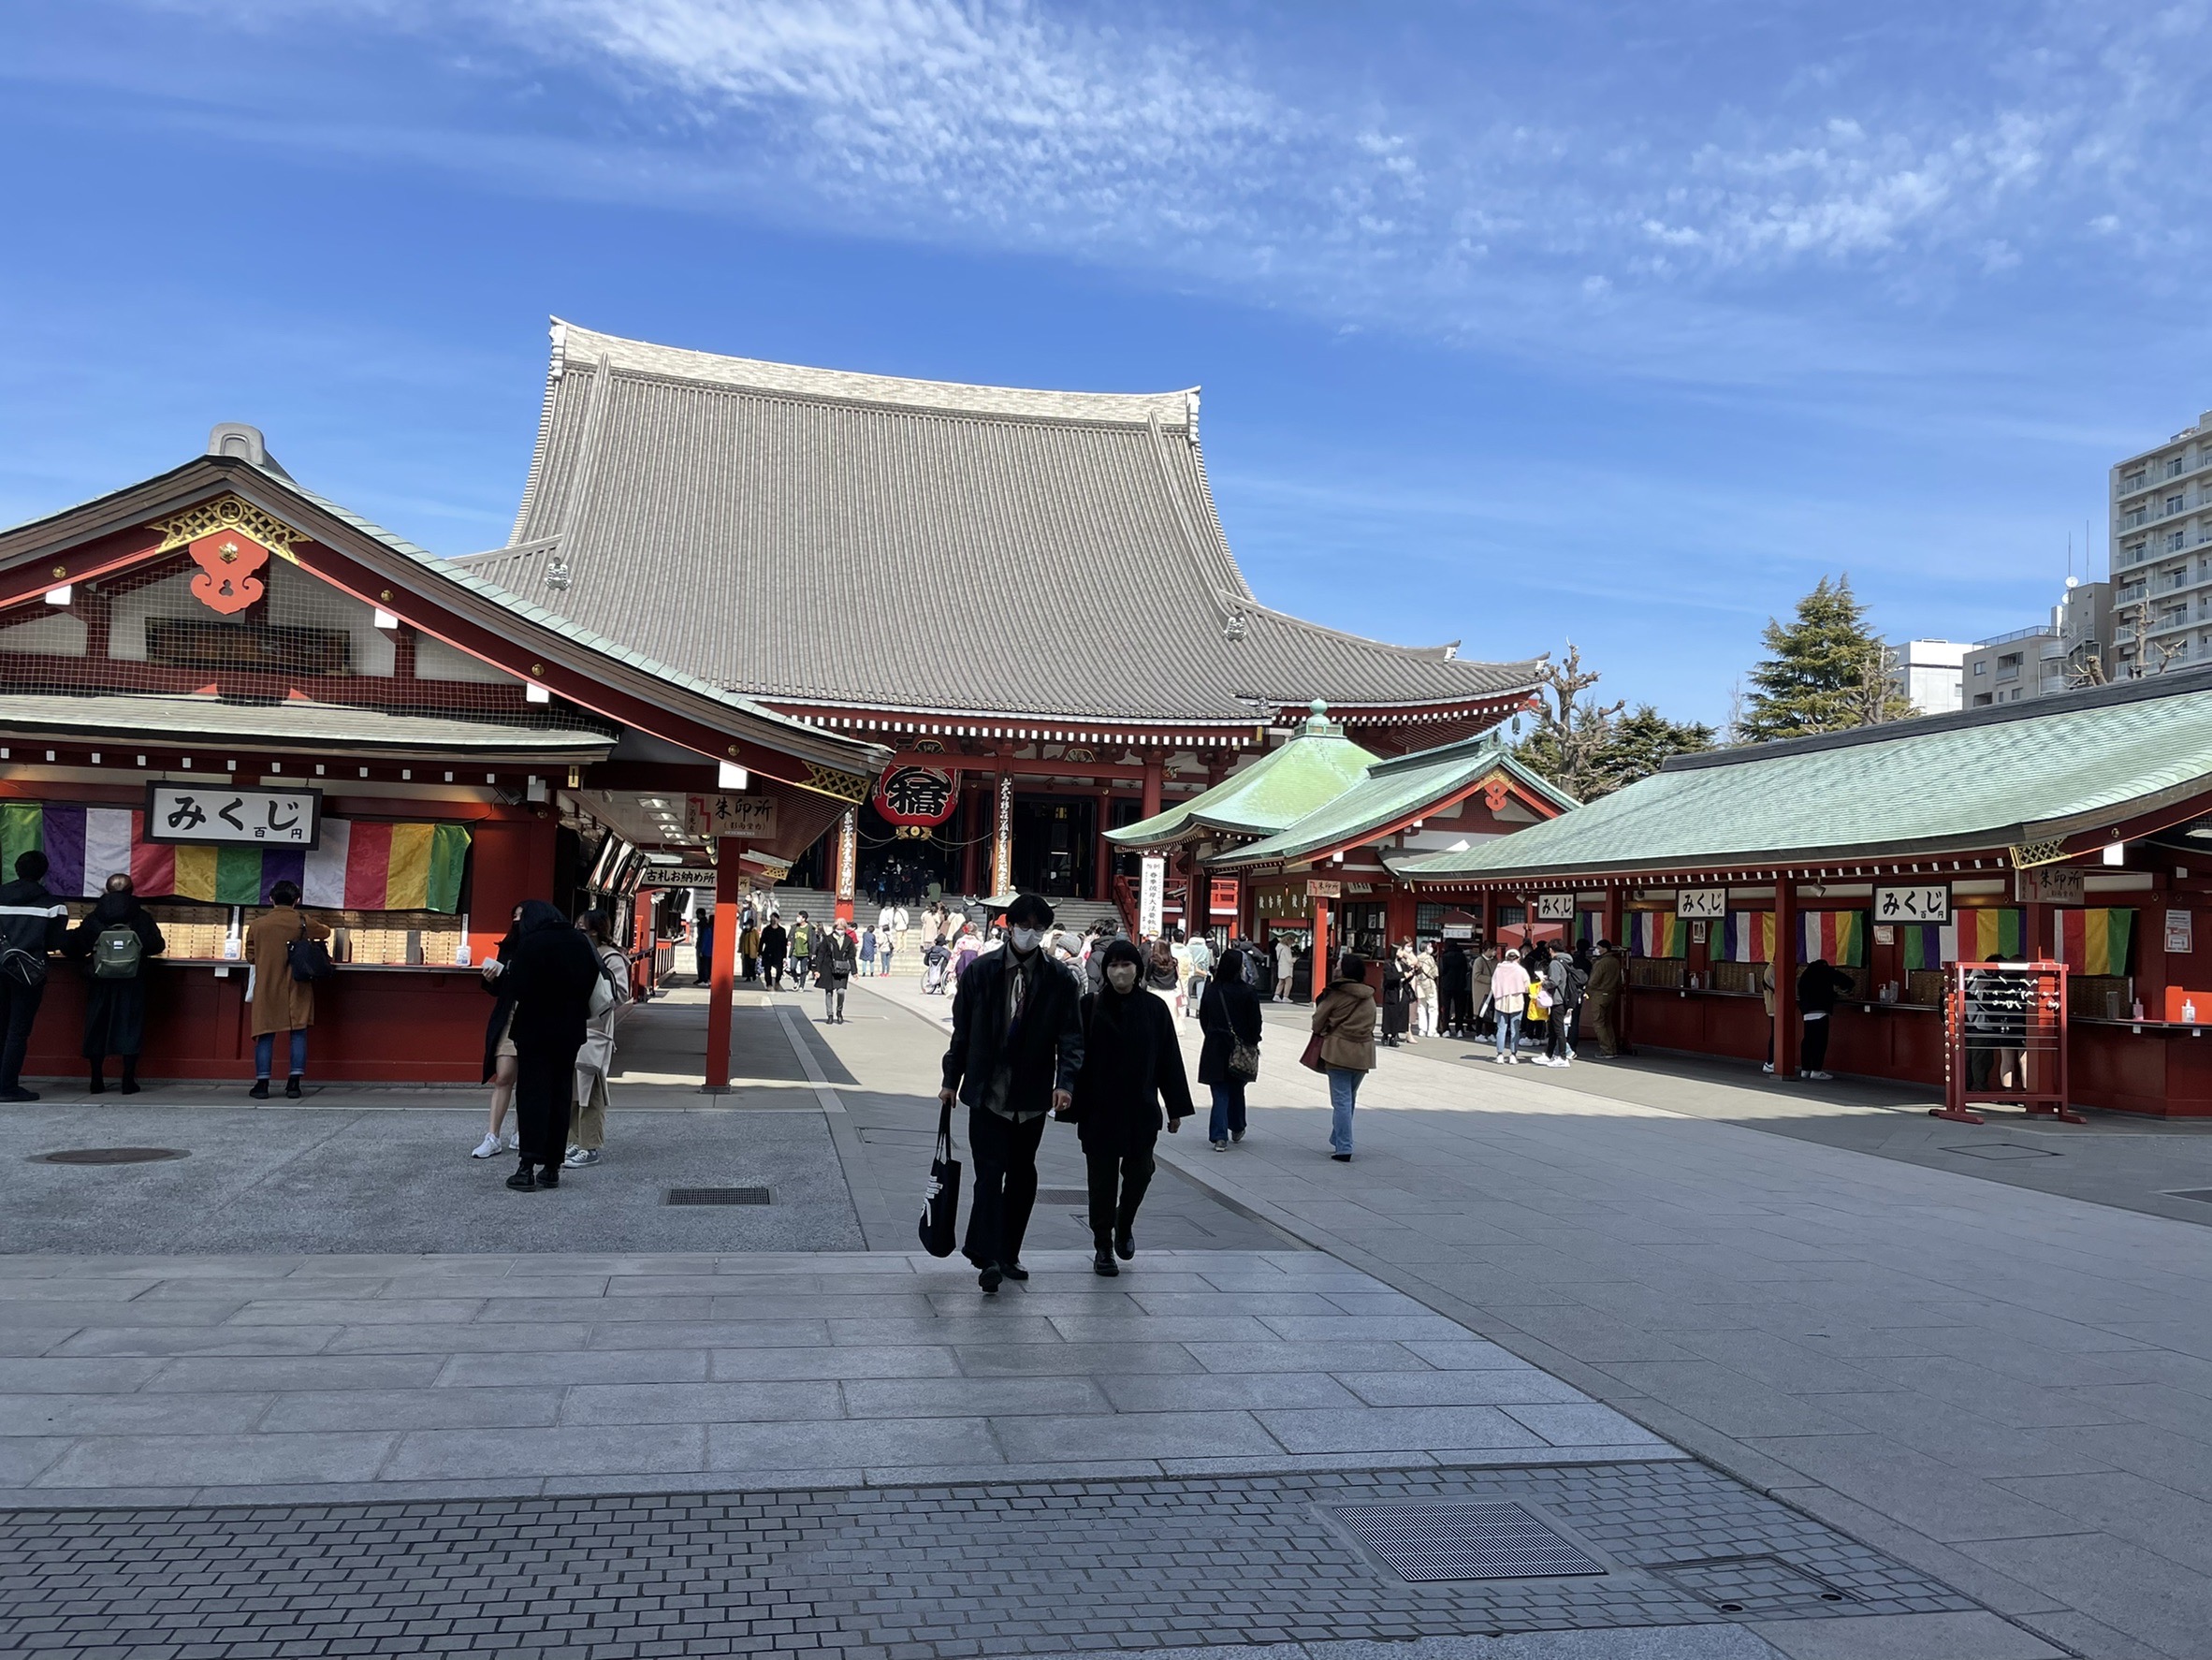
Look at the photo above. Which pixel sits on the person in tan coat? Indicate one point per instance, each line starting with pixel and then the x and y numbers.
pixel 1344 1020
pixel 280 1003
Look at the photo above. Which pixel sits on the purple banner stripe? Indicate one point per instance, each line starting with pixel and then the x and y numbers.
pixel 282 863
pixel 65 851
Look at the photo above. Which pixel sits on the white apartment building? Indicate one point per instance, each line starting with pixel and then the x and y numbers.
pixel 2070 650
pixel 2161 554
pixel 1931 674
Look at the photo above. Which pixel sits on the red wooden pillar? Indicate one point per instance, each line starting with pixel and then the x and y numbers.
pixel 1321 948
pixel 848 864
pixel 721 971
pixel 1785 976
pixel 1154 770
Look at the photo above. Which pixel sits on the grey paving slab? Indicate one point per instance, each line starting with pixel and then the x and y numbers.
pixel 832 1362
pixel 698 1402
pixel 1213 1391
pixel 70 1375
pixel 1018 1360
pixel 1482 1386
pixel 200 1460
pixel 56 1414
pixel 964 1443
pixel 408 1408
pixel 571 1449
pixel 1136 1435
pixel 966 1397
pixel 1908 1636
pixel 203 1373
pixel 1396 1429
pixel 626 1365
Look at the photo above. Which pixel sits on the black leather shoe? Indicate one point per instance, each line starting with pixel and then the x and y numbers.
pixel 129 1086
pixel 550 1176
pixel 292 1087
pixel 989 1278
pixel 260 1090
pixel 1103 1264
pixel 522 1181
pixel 1125 1243
pixel 1013 1270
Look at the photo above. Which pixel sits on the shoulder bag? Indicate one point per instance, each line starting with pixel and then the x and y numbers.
pixel 941 1199
pixel 310 962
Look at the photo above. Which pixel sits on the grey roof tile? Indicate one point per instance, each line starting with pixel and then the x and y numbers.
pixel 782 531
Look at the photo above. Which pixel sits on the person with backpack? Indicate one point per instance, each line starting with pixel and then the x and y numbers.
pixel 285 948
pixel 1564 981
pixel 595 1060
pixel 33 924
pixel 115 939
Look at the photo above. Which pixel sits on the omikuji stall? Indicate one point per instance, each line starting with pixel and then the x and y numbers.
pixel 216 682
pixel 2077 828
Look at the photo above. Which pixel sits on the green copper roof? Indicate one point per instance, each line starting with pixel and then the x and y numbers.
pixel 1949 783
pixel 1390 792
pixel 1313 769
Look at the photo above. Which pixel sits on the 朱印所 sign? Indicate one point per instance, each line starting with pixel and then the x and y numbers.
pixel 1701 904
pixel 1319 888
pixel 2050 884
pixel 1923 902
pixel 229 815
pixel 730 815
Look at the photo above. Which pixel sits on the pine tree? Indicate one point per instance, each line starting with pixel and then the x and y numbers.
pixel 1824 672
pixel 1639 740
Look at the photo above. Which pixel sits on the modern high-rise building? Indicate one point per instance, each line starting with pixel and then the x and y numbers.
pixel 2162 555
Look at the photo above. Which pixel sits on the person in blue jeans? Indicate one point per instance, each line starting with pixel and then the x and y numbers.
pixel 1508 1002
pixel 1344 1020
pixel 1228 1014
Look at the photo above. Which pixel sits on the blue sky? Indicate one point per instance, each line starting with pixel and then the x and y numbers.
pixel 1517 323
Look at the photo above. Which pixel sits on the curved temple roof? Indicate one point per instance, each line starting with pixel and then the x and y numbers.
pixel 811 536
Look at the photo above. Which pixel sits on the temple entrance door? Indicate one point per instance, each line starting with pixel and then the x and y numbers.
pixel 1054 839
pixel 906 865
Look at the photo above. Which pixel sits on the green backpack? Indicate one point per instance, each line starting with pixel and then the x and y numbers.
pixel 116 953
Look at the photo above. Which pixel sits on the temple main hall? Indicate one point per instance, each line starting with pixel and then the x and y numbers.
pixel 1025 596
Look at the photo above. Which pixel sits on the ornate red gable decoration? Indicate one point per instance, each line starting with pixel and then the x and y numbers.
pixel 1493 790
pixel 229 540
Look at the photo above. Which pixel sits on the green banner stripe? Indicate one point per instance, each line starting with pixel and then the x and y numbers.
pixel 238 875
pixel 449 853
pixel 23 830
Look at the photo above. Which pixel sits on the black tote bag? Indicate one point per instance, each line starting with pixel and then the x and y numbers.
pixel 940 1200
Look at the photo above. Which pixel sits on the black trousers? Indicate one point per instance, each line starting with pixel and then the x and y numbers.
pixel 772 971
pixel 1813 1056
pixel 1005 1158
pixel 1458 1014
pixel 21 1004
pixel 544 1085
pixel 1117 1181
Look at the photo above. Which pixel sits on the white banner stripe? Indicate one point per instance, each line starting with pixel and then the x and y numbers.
pixel 323 886
pixel 107 846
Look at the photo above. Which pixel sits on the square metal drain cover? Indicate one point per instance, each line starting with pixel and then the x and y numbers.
pixel 1063 1196
pixel 2005 1150
pixel 719 1196
pixel 1751 1585
pixel 1427 1542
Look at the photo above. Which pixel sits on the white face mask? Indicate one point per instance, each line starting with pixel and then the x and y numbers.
pixel 1025 939
pixel 1122 976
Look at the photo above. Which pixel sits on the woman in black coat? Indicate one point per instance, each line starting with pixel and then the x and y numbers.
pixel 1397 998
pixel 114 999
pixel 553 968
pixel 1229 1013
pixel 1130 1061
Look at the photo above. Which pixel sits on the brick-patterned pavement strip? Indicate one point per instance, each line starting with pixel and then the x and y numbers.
pixel 908 1573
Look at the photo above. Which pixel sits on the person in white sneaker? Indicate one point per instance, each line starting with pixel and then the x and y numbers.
pixel 499 1046
pixel 1508 996
pixel 1767 993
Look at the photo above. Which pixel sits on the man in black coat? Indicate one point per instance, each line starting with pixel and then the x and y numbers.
pixel 552 972
pixel 32 923
pixel 1017 1045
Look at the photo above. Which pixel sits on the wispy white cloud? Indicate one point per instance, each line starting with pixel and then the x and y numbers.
pixel 1636 211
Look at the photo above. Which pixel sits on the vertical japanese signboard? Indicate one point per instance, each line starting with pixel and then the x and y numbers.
pixel 1151 894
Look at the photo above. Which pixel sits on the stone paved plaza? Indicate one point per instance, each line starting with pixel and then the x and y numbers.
pixel 325 1386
